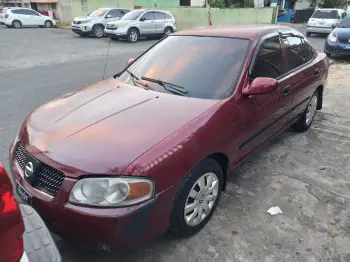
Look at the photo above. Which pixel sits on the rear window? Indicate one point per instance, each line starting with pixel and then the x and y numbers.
pixel 208 67
pixel 326 14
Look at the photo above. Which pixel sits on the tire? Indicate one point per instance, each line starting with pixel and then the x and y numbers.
pixel 168 31
pixel 8 26
pixel 114 38
pixel 308 34
pixel 133 36
pixel 306 119
pixel 48 24
pixel 184 223
pixel 97 31
pixel 16 24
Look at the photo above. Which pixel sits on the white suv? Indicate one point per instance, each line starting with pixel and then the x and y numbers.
pixel 26 17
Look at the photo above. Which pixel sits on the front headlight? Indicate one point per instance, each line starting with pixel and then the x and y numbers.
pixel 111 191
pixel 85 21
pixel 332 38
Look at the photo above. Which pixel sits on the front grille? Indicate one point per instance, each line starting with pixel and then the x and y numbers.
pixel 49 179
pixel 111 27
pixel 343 40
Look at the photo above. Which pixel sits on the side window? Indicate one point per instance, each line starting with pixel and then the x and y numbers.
pixel 31 12
pixel 148 16
pixel 159 16
pixel 343 15
pixel 269 61
pixel 298 51
pixel 114 13
pixel 123 11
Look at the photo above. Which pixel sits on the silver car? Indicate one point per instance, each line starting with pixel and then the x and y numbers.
pixel 95 22
pixel 324 20
pixel 141 23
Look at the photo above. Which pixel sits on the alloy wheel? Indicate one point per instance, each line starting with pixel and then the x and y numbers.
pixel 16 24
pixel 133 36
pixel 168 32
pixel 311 110
pixel 47 24
pixel 201 199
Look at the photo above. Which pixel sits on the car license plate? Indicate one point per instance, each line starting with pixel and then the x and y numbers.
pixel 23 194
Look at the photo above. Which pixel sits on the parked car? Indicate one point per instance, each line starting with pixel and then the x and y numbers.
pixel 121 161
pixel 323 20
pixel 141 23
pixel 23 235
pixel 338 41
pixel 27 17
pixel 95 22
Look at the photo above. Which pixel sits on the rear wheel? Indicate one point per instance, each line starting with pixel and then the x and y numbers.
pixel 97 31
pixel 168 31
pixel 306 119
pixel 197 198
pixel 48 24
pixel 16 24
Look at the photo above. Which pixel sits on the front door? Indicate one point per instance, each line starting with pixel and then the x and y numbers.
pixel 264 115
pixel 35 18
pixel 147 24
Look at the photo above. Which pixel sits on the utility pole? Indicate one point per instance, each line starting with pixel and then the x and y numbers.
pixel 317 4
pixel 209 12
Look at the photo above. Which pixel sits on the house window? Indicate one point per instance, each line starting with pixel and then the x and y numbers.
pixel 185 2
pixel 84 5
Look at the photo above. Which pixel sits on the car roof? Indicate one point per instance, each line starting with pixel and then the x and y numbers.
pixel 235 31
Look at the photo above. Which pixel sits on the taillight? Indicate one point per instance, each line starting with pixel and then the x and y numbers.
pixel 6 16
pixel 11 222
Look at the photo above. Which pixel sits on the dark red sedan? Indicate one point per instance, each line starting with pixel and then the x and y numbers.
pixel 123 160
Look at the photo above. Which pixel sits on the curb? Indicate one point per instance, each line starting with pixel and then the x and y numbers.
pixel 63 26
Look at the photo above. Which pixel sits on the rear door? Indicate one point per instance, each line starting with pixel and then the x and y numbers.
pixel 147 24
pixel 159 19
pixel 265 114
pixel 303 69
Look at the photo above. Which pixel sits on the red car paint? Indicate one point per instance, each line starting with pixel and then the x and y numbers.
pixel 75 136
pixel 11 222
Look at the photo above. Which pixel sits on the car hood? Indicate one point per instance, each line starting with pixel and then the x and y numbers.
pixel 121 23
pixel 103 128
pixel 341 32
pixel 84 18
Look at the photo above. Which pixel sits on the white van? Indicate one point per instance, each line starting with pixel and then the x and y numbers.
pixel 324 20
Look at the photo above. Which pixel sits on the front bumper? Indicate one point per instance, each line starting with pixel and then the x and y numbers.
pixel 82 28
pixel 320 30
pixel 38 243
pixel 119 32
pixel 336 48
pixel 98 228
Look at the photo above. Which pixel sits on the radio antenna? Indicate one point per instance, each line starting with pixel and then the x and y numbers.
pixel 109 45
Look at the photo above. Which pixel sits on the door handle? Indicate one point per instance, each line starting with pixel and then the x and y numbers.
pixel 287 90
pixel 317 72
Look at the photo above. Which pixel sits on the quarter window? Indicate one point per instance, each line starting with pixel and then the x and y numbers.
pixel 269 61
pixel 298 51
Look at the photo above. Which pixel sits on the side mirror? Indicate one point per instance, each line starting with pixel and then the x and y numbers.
pixel 108 16
pixel 261 86
pixel 142 19
pixel 131 60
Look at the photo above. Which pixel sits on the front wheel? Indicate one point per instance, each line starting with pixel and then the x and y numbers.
pixel 97 31
pixel 48 24
pixel 168 31
pixel 306 119
pixel 197 198
pixel 133 36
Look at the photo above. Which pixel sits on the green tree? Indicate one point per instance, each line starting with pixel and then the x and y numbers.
pixel 333 3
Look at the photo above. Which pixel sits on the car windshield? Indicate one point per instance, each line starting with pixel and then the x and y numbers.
pixel 326 14
pixel 98 12
pixel 345 23
pixel 207 67
pixel 133 15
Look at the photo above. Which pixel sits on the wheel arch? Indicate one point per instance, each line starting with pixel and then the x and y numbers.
pixel 98 24
pixel 223 161
pixel 134 27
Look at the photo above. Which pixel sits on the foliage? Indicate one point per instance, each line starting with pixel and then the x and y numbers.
pixel 333 3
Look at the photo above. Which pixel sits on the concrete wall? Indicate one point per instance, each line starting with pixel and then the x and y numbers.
pixel 199 3
pixel 194 17
pixel 157 3
pixel 65 9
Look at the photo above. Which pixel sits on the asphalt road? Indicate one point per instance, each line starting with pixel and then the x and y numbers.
pixel 37 65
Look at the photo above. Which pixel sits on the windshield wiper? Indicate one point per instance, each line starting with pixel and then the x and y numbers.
pixel 136 80
pixel 175 89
